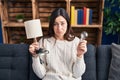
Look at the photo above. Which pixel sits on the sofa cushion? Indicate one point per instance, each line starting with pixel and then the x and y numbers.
pixel 90 60
pixel 103 57
pixel 114 73
pixel 14 60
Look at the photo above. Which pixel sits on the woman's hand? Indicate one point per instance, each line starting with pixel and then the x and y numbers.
pixel 82 48
pixel 33 47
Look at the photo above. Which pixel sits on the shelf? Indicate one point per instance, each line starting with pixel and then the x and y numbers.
pixel 40 9
pixel 17 24
pixel 87 26
pixel 13 24
pixel 45 25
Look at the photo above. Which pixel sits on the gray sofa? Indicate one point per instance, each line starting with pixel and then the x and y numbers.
pixel 15 62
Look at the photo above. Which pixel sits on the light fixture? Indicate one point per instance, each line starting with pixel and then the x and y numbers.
pixel 33 30
pixel 83 35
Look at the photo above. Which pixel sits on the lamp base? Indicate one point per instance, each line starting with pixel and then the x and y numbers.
pixel 42 51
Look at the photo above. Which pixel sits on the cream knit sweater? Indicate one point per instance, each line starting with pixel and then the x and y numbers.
pixel 61 63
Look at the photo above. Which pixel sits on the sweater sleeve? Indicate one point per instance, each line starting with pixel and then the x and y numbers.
pixel 38 68
pixel 79 67
pixel 79 64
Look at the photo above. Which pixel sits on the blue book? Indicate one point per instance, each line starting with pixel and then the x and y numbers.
pixel 80 16
pixel 90 16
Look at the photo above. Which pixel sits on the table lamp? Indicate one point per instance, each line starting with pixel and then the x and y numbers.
pixel 33 30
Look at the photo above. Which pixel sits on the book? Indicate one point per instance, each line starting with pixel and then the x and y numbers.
pixel 90 16
pixel 87 16
pixel 72 15
pixel 76 14
pixel 80 16
pixel 84 15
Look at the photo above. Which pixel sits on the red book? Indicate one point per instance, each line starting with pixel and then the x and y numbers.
pixel 84 15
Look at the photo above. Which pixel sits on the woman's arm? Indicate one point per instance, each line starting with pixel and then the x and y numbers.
pixel 38 67
pixel 79 67
pixel 79 64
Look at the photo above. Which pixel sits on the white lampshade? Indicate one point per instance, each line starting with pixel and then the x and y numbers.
pixel 33 28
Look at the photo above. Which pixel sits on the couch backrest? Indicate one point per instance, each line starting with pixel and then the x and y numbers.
pixel 14 62
pixel 90 60
pixel 103 58
pixel 97 61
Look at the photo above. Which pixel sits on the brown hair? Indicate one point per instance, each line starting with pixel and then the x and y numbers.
pixel 69 35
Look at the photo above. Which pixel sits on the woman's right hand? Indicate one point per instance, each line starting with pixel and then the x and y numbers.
pixel 33 47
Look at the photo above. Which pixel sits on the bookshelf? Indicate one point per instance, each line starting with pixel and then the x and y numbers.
pixel 41 9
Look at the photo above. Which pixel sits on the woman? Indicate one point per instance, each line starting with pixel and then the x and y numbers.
pixel 65 60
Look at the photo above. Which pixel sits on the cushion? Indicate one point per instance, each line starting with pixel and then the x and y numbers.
pixel 114 73
pixel 90 60
pixel 103 58
pixel 14 60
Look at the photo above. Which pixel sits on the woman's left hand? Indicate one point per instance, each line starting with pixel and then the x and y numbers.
pixel 82 48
